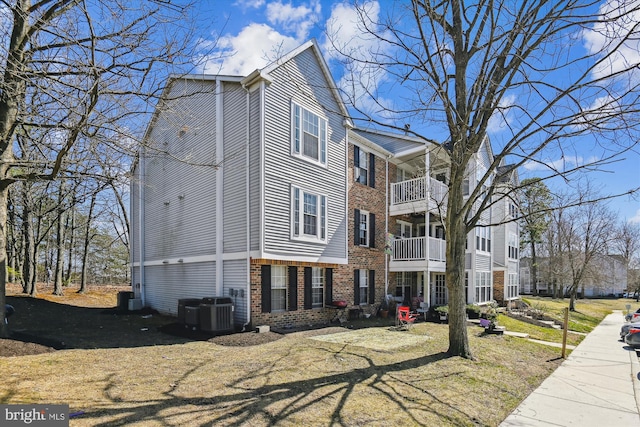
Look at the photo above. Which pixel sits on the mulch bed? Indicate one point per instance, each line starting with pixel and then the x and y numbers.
pixel 48 323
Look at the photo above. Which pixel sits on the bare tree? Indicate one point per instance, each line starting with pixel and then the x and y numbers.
pixel 535 204
pixel 626 243
pixel 460 68
pixel 586 233
pixel 77 76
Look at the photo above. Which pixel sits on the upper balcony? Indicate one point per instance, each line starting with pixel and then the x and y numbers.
pixel 413 253
pixel 423 194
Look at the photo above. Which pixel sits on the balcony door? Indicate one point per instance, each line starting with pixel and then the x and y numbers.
pixel 404 229
pixel 440 290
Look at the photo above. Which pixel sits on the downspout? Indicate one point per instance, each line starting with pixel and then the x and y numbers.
pixel 248 208
pixel 346 186
pixel 219 190
pixel 141 224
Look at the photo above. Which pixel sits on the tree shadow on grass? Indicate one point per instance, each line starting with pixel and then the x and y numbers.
pixel 271 404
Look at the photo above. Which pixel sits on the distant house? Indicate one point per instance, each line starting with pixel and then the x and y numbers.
pixel 606 275
pixel 260 189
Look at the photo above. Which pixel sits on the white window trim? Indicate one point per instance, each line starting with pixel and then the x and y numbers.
pixel 364 287
pixel 276 286
pixel 483 282
pixel 322 137
pixel 320 226
pixel 484 233
pixel 358 169
pixel 368 229
pixel 317 277
pixel 513 243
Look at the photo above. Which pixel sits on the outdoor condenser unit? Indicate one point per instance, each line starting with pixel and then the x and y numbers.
pixel 216 314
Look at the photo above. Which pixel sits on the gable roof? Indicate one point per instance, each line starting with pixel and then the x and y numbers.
pixel 506 173
pixel 263 74
pixel 390 142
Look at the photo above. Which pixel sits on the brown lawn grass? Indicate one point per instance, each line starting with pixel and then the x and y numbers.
pixel 372 376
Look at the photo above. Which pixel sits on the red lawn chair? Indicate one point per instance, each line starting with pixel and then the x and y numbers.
pixel 405 319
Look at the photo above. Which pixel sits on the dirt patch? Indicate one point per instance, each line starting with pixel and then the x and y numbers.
pixel 14 347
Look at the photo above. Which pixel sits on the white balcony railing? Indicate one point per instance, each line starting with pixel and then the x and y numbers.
pixel 415 190
pixel 413 249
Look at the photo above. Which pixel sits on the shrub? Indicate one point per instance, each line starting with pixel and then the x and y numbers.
pixel 473 311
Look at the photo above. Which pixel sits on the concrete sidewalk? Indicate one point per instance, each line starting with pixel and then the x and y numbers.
pixel 598 385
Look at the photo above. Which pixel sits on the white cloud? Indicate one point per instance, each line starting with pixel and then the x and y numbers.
pixel 346 35
pixel 298 20
pixel 254 47
pixel 606 38
pixel 501 118
pixel 249 4
pixel 258 44
pixel 602 110
pixel 562 164
pixel 636 218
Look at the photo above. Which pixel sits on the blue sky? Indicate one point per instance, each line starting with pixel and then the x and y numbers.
pixel 244 35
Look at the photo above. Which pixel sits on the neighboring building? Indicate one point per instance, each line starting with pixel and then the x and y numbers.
pixel 506 257
pixel 605 276
pixel 260 189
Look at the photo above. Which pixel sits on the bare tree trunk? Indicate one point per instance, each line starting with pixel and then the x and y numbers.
pixel 87 240
pixel 11 241
pixel 28 266
pixel 534 268
pixel 70 226
pixel 456 238
pixel 4 195
pixel 57 283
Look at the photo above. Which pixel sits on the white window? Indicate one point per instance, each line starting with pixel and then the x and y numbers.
pixel 364 287
pixel 483 239
pixel 309 135
pixel 363 232
pixel 278 288
pixel 512 286
pixel 309 214
pixel 513 246
pixel 317 286
pixel 483 286
pixel 361 165
pixel 513 210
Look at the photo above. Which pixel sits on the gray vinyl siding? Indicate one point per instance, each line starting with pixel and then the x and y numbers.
pixel 255 170
pixel 483 263
pixel 235 277
pixel 234 169
pixel 166 284
pixel 179 189
pixel 282 170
